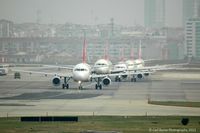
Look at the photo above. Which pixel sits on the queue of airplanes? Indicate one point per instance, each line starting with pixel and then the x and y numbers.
pixel 101 72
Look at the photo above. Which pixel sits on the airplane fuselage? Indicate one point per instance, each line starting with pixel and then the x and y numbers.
pixel 139 63
pixel 134 64
pixel 120 67
pixel 102 66
pixel 81 72
pixel 130 65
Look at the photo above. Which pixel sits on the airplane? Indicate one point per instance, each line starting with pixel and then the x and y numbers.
pixel 121 66
pixel 136 69
pixel 104 65
pixel 81 72
pixel 137 63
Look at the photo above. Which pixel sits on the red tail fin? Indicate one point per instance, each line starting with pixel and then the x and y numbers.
pixel 106 52
pixel 122 54
pixel 132 54
pixel 140 52
pixel 84 51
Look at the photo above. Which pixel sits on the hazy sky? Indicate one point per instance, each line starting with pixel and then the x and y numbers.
pixel 125 12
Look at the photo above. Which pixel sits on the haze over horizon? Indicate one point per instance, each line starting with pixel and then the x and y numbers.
pixel 124 12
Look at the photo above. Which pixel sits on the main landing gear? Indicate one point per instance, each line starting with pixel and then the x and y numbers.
pixel 65 84
pixel 133 79
pixel 98 85
pixel 117 79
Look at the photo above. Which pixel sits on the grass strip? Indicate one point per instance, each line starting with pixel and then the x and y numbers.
pixel 176 103
pixel 122 124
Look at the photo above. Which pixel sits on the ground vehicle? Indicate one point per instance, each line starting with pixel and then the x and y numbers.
pixel 17 75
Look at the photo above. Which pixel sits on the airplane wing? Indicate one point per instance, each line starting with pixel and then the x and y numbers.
pixel 160 67
pixel 44 73
pixel 149 60
pixel 69 67
pixel 118 74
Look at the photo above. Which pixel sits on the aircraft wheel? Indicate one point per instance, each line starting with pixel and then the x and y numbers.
pixel 96 87
pixel 67 86
pixel 63 86
pixel 115 79
pixel 100 87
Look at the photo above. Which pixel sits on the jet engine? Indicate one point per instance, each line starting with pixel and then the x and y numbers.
pixel 146 74
pixel 124 76
pixel 106 81
pixel 139 76
pixel 56 81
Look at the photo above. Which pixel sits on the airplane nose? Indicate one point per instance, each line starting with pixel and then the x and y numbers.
pixel 101 70
pixel 81 76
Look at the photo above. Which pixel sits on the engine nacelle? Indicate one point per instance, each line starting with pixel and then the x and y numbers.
pixel 56 81
pixel 146 74
pixel 124 76
pixel 3 71
pixel 106 81
pixel 139 76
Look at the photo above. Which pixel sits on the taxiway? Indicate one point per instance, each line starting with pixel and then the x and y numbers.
pixel 34 95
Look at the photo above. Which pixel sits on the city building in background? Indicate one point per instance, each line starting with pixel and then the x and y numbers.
pixel 62 43
pixel 154 13
pixel 6 28
pixel 191 20
pixel 191 9
pixel 192 38
pixel 197 9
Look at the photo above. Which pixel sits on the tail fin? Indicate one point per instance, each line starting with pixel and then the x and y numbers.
pixel 140 52
pixel 132 54
pixel 106 57
pixel 84 51
pixel 105 53
pixel 122 54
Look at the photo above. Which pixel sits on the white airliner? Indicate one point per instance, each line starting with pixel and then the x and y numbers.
pixel 121 66
pixel 80 73
pixel 103 66
pixel 136 70
pixel 136 67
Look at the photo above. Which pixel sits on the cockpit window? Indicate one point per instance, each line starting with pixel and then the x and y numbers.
pixel 101 64
pixel 80 69
pixel 120 67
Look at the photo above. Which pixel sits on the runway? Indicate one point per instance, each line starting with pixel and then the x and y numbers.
pixel 34 95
